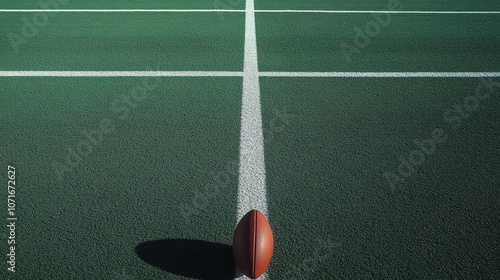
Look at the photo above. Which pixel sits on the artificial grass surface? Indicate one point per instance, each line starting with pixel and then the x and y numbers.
pixel 131 188
pixel 125 41
pixel 433 42
pixel 460 5
pixel 377 5
pixel 168 169
pixel 334 213
pixel 125 4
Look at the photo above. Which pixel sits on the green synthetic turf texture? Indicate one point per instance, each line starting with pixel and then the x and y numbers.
pixel 323 167
pixel 259 4
pixel 129 189
pixel 126 41
pixel 443 5
pixel 312 42
pixel 324 177
pixel 126 4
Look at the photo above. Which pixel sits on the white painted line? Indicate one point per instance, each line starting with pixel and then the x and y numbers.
pixel 376 12
pixel 252 173
pixel 120 74
pixel 383 74
pixel 242 74
pixel 119 11
pixel 233 11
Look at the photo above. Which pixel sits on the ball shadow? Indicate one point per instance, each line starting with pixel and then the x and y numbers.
pixel 190 258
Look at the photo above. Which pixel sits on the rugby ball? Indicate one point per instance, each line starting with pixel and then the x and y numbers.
pixel 253 244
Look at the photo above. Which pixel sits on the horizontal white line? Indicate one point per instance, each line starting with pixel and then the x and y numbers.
pixel 383 74
pixel 240 74
pixel 233 11
pixel 120 74
pixel 119 11
pixel 377 12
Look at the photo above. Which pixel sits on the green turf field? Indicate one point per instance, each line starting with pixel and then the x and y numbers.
pixel 379 5
pixel 315 42
pixel 165 41
pixel 128 132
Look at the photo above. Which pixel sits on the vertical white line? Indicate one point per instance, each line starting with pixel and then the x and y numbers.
pixel 252 172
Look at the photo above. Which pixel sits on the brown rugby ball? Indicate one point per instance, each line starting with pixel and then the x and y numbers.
pixel 253 244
